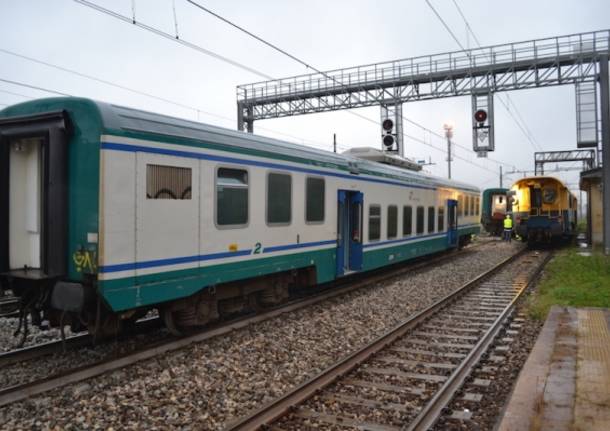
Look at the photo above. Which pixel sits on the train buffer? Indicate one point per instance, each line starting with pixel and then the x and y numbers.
pixel 565 383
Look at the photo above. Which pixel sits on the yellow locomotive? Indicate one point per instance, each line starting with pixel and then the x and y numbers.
pixel 543 209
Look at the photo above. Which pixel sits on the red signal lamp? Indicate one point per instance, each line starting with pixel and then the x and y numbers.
pixel 387 125
pixel 480 116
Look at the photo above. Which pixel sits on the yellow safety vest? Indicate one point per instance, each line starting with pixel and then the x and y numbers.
pixel 508 223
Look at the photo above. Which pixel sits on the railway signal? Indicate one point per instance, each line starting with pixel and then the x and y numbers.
pixel 482 124
pixel 388 135
pixel 480 116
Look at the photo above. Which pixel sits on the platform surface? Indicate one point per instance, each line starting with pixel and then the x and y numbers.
pixel 565 383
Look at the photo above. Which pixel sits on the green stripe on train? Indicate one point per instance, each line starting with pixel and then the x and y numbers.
pixel 140 291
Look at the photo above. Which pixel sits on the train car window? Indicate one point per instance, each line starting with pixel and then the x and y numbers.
pixel 477 204
pixel 461 205
pixel 420 220
pixel 407 220
pixel 279 198
pixel 231 197
pixel 549 195
pixel 472 205
pixel 314 200
pixel 168 182
pixel 441 219
pixel 430 219
pixel 466 205
pixel 535 197
pixel 392 221
pixel 374 222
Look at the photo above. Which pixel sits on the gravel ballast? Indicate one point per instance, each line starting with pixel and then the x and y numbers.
pixel 211 383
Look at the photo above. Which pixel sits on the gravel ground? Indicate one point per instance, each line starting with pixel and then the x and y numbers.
pixel 208 384
pixel 39 368
pixel 35 336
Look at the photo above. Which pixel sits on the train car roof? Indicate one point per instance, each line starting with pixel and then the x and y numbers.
pixel 543 177
pixel 121 119
pixel 495 190
pixel 539 178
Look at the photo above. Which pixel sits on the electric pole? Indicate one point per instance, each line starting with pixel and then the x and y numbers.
pixel 500 176
pixel 449 134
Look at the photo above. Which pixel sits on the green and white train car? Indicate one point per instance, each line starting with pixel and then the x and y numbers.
pixel 107 212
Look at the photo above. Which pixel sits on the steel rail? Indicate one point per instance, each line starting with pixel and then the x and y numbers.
pixel 20 392
pixel 434 408
pixel 42 349
pixel 282 405
pixel 71 342
pixel 11 304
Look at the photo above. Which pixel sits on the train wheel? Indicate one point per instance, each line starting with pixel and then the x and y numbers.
pixel 109 326
pixel 170 318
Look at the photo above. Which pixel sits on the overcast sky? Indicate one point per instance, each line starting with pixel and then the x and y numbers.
pixel 327 34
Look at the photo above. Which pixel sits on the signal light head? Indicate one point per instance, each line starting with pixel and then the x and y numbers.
pixel 388 140
pixel 480 116
pixel 387 125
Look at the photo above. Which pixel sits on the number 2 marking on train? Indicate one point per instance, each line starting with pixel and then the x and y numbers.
pixel 257 248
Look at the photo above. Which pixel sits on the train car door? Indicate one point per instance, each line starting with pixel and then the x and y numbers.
pixel 34 196
pixel 349 232
pixel 452 227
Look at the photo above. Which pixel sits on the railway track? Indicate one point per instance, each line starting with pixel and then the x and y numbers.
pixel 16 393
pixel 72 342
pixel 9 306
pixel 404 379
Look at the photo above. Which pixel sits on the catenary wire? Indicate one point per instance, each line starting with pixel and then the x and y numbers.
pixel 309 66
pixel 296 139
pixel 205 51
pixel 34 87
pixel 523 129
pixel 173 38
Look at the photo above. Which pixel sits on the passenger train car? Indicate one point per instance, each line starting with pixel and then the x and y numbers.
pixel 543 209
pixel 494 208
pixel 107 212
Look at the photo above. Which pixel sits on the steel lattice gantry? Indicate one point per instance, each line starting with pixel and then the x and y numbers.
pixel 543 157
pixel 576 59
pixel 554 61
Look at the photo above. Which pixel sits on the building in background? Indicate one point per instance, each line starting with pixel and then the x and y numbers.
pixel 591 183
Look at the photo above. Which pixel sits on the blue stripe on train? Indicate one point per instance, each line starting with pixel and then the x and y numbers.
pixel 198 258
pixel 194 155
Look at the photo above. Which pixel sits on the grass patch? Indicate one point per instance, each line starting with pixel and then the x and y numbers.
pixel 572 280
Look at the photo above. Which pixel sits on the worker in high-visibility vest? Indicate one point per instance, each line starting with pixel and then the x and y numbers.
pixel 508 228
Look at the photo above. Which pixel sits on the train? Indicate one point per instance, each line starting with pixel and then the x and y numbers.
pixel 494 208
pixel 544 210
pixel 109 212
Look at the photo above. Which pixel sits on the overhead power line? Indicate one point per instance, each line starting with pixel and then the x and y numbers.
pixel 12 93
pixel 310 66
pixel 174 38
pixel 34 87
pixel 106 82
pixel 442 150
pixel 523 128
pixel 198 110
